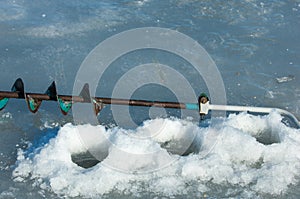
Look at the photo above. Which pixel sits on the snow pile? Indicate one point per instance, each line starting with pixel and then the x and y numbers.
pixel 249 154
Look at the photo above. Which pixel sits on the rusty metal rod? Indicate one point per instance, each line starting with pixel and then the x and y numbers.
pixel 129 102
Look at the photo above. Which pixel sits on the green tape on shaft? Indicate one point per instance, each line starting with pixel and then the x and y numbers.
pixel 192 106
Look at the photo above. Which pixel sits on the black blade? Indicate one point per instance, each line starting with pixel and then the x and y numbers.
pixel 18 87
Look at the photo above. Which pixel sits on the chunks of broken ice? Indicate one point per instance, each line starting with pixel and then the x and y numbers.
pixel 285 79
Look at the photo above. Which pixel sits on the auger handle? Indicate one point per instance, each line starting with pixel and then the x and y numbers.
pixel 206 107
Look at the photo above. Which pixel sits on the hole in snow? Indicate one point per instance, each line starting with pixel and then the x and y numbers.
pixel 85 160
pixel 267 137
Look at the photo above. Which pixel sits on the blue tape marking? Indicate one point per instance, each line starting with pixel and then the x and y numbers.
pixel 192 106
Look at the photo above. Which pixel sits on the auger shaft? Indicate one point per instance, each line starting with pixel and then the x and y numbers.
pixel 74 99
pixel 65 102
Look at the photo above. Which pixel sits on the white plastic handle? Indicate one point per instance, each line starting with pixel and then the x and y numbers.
pixel 204 108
